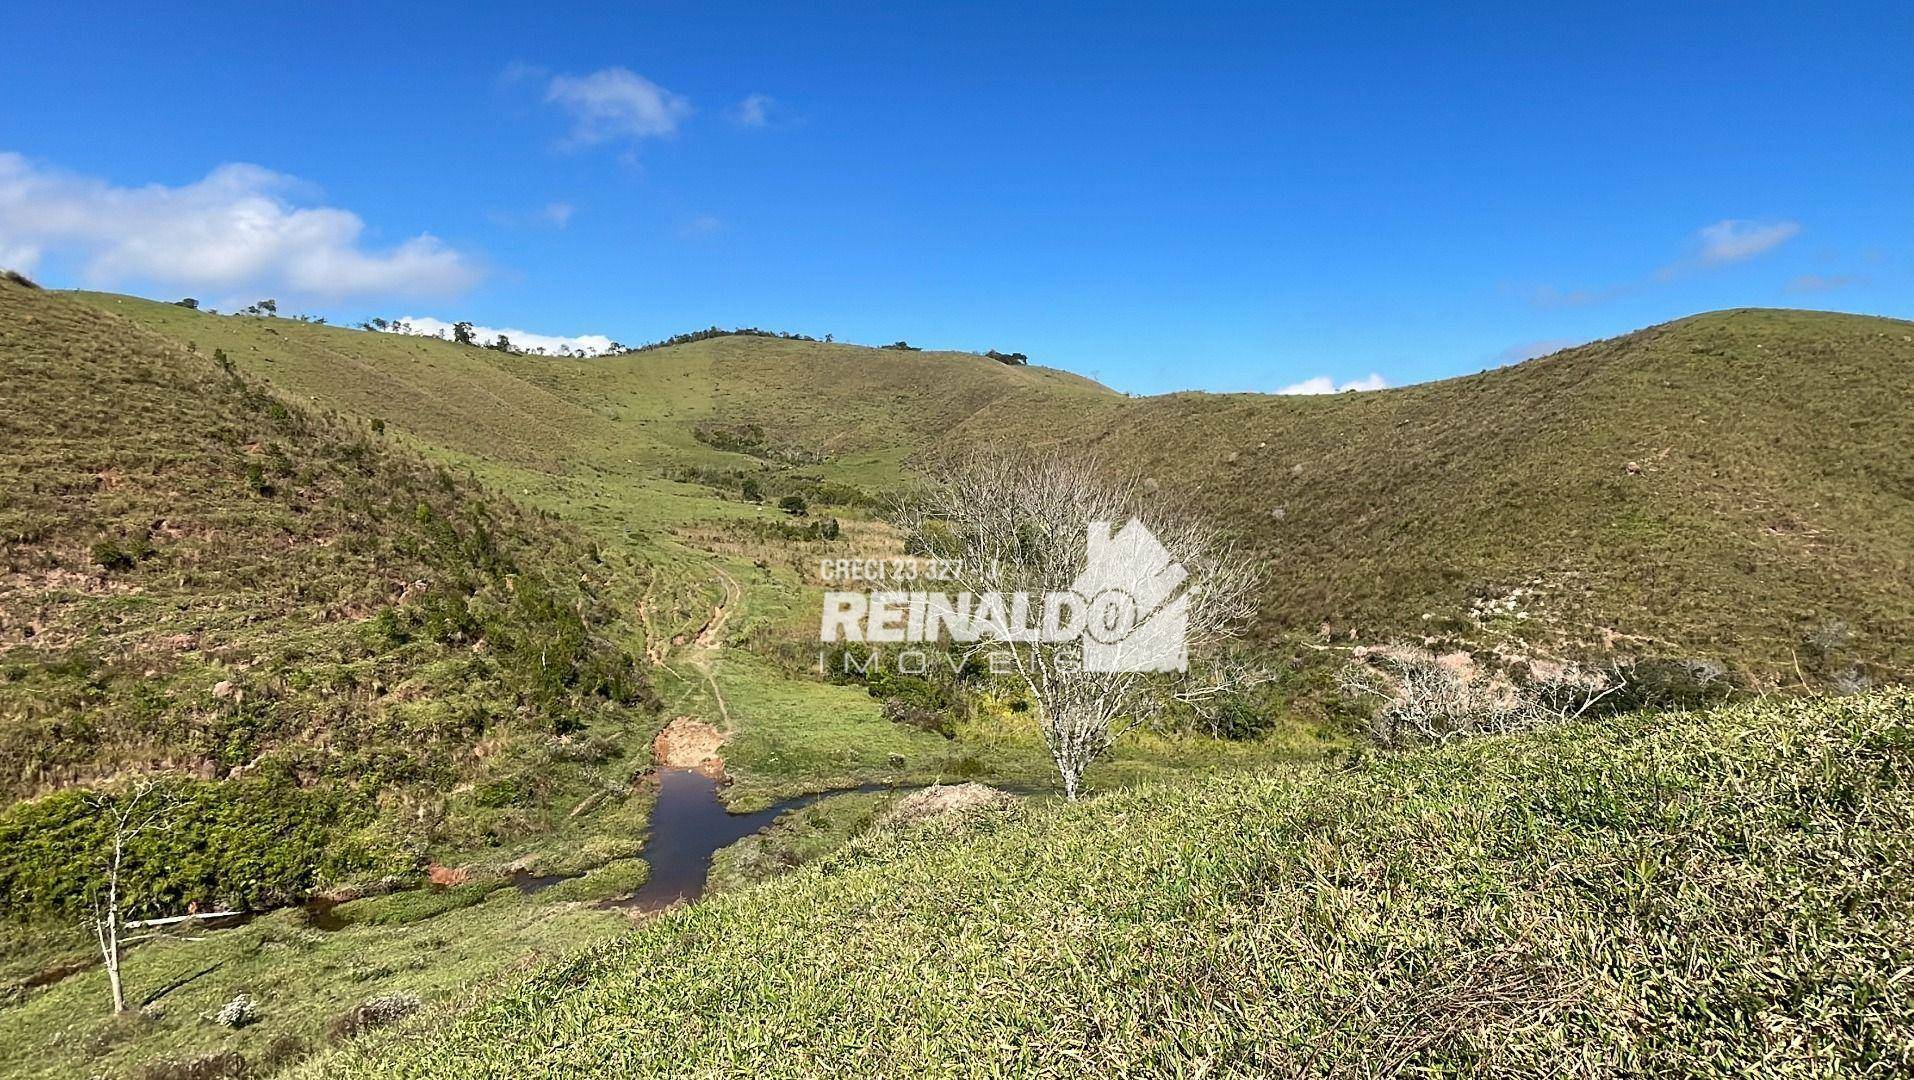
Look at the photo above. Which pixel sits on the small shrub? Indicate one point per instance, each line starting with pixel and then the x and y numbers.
pixel 373 1014
pixel 1671 683
pixel 751 491
pixel 1239 719
pixel 1422 699
pixel 256 478
pixel 966 767
pixel 111 556
pixel 238 1012
pixel 794 505
pixel 123 553
pixel 281 1052
pixel 911 714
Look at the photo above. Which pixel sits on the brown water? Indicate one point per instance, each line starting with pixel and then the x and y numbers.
pixel 688 825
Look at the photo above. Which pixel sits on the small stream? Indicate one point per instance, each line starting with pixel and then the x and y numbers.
pixel 688 825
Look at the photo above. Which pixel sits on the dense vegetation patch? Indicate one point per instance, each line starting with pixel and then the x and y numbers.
pixel 236 845
pixel 1724 892
pixel 199 577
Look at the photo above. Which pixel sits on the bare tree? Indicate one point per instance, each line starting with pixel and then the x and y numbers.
pixel 1008 521
pixel 142 806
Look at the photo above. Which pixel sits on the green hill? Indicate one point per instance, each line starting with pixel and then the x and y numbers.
pixel 1714 894
pixel 381 603
pixel 203 579
pixel 858 410
pixel 1733 487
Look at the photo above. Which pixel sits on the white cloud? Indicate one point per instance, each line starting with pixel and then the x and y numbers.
pixel 1323 384
pixel 1723 243
pixel 21 257
pixel 616 103
pixel 553 215
pixel 754 111
pixel 518 71
pixel 523 340
pixel 236 230
pixel 1733 241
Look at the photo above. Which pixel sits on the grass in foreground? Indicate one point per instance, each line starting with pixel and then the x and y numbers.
pixel 432 945
pixel 1721 893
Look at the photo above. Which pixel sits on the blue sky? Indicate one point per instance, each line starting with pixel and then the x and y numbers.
pixel 1191 196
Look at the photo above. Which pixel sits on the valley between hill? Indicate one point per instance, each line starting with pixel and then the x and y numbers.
pixel 392 610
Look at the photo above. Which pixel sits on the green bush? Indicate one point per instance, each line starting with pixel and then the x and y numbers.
pixel 247 844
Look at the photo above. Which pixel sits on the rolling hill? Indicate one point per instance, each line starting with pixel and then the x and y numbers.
pixel 1732 487
pixel 1735 486
pixel 383 604
pixel 258 597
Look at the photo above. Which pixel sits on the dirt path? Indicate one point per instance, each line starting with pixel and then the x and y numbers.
pixel 656 649
pixel 733 592
pixel 703 650
pixel 710 642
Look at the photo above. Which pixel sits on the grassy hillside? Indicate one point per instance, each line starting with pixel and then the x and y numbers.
pixel 645 454
pixel 1735 486
pixel 1724 893
pixel 626 417
pixel 259 598
pixel 321 567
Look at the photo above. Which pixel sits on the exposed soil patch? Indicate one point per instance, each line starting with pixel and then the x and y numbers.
pixel 940 799
pixel 708 636
pixel 689 744
pixel 51 974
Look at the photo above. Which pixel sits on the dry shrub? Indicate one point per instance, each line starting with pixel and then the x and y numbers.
pixel 369 1015
pixel 1425 699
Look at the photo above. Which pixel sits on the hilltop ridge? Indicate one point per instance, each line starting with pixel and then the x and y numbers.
pixel 1732 486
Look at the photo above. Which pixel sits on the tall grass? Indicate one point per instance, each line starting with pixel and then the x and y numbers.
pixel 1720 893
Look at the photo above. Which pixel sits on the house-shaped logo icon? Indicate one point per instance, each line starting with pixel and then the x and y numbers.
pixel 1135 617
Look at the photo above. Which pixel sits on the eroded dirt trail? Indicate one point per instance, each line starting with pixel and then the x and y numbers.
pixel 702 652
pixel 709 636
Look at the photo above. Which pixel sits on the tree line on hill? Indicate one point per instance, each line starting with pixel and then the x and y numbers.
pixel 462 333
